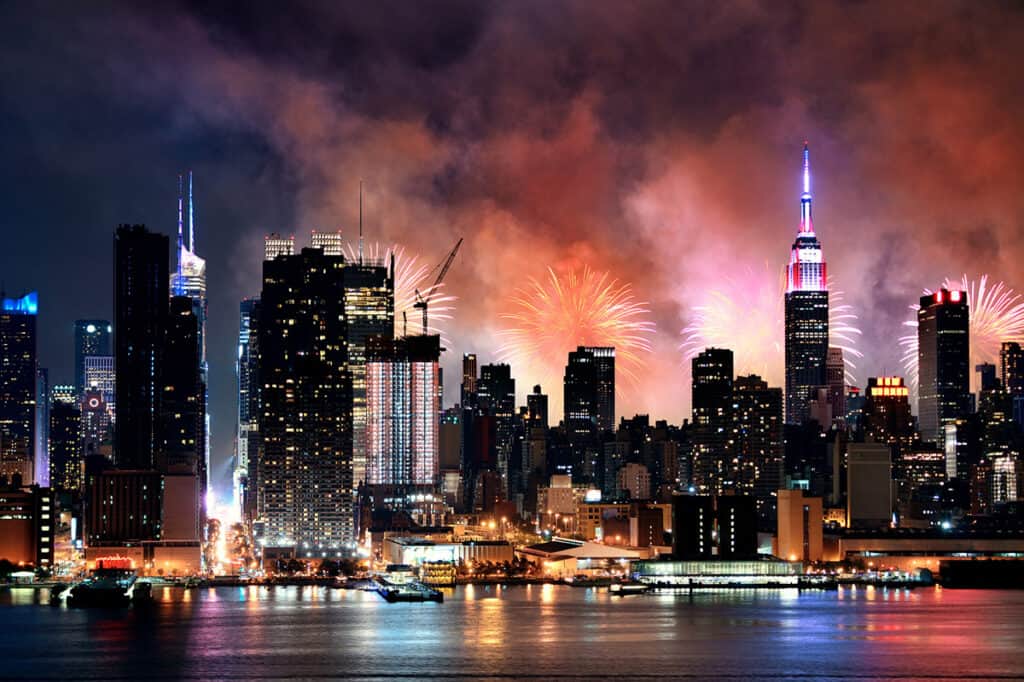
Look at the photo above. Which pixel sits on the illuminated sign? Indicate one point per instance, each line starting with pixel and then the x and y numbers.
pixel 28 304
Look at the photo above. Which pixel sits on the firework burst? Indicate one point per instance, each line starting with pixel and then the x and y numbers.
pixel 410 275
pixel 747 316
pixel 997 315
pixel 550 317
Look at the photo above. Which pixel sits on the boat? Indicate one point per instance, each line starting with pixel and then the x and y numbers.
pixel 407 592
pixel 113 582
pixel 625 589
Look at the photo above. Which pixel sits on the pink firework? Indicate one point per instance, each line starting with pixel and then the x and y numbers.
pixel 747 315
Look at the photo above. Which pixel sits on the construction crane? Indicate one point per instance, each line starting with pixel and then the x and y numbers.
pixel 421 302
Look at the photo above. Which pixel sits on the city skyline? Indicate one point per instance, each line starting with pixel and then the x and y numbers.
pixel 659 196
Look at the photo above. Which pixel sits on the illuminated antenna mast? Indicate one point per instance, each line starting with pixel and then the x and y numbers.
pixel 805 199
pixel 360 222
pixel 191 220
pixel 181 236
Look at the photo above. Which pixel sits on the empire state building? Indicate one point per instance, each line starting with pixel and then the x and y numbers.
pixel 806 311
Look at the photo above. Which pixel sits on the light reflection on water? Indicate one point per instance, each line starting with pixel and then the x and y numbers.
pixel 483 630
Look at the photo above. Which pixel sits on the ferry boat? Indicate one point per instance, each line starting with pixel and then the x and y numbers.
pixel 113 582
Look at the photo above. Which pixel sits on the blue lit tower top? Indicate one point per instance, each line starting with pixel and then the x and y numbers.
pixel 806 270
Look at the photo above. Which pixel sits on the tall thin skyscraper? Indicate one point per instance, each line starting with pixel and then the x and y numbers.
pixel 42 428
pixel 140 322
pixel 943 362
pixel 806 311
pixel 189 281
pixel 537 409
pixel 369 311
pixel 18 385
pixel 713 411
pixel 183 402
pixel 305 484
pixel 92 337
pixel 402 408
pixel 469 379
pixel 247 426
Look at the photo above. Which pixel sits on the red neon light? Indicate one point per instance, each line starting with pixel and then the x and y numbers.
pixel 938 296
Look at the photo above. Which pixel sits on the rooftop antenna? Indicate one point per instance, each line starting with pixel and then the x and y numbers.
pixel 360 222
pixel 191 221
pixel 181 237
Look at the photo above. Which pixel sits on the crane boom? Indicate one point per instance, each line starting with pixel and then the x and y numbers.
pixel 444 265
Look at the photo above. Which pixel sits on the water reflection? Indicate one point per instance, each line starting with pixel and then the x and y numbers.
pixel 480 631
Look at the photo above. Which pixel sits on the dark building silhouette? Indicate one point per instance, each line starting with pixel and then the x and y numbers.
pixel 736 519
pixel 140 320
pixel 18 386
pixel 693 526
pixel 183 417
pixel 589 392
pixel 943 335
pixel 496 396
pixel 806 337
pixel 537 409
pixel 1011 367
pixel 247 434
pixel 92 338
pixel 713 419
pixel 469 379
pixel 122 505
pixel 704 526
pixel 305 474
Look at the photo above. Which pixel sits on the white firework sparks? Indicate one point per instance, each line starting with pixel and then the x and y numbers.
pixel 411 275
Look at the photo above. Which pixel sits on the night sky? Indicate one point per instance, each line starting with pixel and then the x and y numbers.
pixel 659 141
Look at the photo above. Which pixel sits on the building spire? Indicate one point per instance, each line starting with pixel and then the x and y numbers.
pixel 191 218
pixel 181 235
pixel 806 225
pixel 360 222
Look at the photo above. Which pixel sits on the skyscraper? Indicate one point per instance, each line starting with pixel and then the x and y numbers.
pixel 100 377
pixel 402 408
pixel 1011 367
pixel 943 360
pixel 183 401
pixel 835 375
pixel 537 408
pixel 275 245
pixel 580 396
pixel 806 311
pixel 469 378
pixel 140 313
pixel 189 281
pixel 65 447
pixel 369 311
pixel 18 385
pixel 758 437
pixel 247 427
pixel 305 486
pixel 41 458
pixel 604 375
pixel 713 416
pixel 496 395
pixel 92 337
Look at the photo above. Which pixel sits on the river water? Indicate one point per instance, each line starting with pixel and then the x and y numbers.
pixel 536 632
